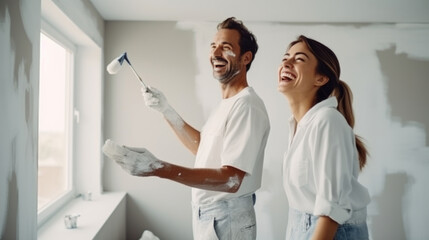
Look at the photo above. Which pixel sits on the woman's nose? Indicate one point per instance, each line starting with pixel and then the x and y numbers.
pixel 286 63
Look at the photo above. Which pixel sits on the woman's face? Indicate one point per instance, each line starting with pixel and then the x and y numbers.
pixel 297 72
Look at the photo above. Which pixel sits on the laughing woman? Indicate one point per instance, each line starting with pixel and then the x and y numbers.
pixel 324 157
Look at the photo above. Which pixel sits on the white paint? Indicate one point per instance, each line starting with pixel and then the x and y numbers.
pixel 148 235
pixel 110 148
pixel 233 182
pixel 174 119
pixel 141 162
pixel 236 73
pixel 230 53
pixel 136 161
pixel 114 67
pixel 156 100
pixel 394 147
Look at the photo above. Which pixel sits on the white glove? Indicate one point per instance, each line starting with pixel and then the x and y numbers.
pixel 141 163
pixel 155 99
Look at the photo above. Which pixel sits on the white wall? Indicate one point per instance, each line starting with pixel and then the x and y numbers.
pixel 164 56
pixel 19 57
pixel 20 22
pixel 385 65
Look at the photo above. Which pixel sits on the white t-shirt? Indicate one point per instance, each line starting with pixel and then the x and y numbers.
pixel 234 135
pixel 321 167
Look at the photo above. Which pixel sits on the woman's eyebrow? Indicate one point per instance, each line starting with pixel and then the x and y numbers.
pixel 297 53
pixel 303 53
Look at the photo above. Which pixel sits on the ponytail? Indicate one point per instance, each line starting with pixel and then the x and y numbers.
pixel 345 97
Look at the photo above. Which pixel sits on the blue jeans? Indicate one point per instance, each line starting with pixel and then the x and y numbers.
pixel 232 219
pixel 301 226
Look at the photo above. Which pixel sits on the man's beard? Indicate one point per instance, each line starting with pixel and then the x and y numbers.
pixel 228 75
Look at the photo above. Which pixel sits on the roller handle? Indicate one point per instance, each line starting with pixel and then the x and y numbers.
pixel 141 81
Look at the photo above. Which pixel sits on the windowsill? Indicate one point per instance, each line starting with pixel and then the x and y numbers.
pixel 93 215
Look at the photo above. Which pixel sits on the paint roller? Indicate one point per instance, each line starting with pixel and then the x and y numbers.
pixel 116 65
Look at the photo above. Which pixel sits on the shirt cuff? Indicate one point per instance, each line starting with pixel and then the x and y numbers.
pixel 332 210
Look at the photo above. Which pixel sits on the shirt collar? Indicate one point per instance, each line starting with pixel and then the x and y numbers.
pixel 242 92
pixel 330 102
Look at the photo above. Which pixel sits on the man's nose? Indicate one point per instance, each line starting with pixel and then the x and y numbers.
pixel 216 51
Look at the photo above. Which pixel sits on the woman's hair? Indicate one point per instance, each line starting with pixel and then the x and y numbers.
pixel 329 66
pixel 247 40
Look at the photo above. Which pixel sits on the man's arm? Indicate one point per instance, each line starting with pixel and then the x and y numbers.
pixel 141 162
pixel 189 136
pixel 224 179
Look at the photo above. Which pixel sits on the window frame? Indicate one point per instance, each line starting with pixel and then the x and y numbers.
pixel 51 208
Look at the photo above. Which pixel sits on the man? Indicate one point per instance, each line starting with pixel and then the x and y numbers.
pixel 229 150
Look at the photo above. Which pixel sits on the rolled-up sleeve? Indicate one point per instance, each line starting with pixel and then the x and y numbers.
pixel 334 152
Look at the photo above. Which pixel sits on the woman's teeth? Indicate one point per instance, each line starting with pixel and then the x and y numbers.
pixel 288 77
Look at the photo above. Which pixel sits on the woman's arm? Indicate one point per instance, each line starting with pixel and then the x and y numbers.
pixel 325 228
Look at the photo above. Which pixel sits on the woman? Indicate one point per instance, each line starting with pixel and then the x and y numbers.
pixel 324 157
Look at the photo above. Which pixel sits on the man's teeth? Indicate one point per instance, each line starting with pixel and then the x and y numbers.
pixel 217 63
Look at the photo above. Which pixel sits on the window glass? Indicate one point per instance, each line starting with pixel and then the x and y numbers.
pixel 54 158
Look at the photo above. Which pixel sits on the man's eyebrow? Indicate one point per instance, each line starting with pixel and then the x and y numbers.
pixel 228 43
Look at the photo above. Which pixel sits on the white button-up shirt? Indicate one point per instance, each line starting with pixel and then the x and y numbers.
pixel 321 166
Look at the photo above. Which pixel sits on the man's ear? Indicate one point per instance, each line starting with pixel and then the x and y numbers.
pixel 247 57
pixel 321 80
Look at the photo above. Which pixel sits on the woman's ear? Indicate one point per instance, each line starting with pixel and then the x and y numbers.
pixel 321 80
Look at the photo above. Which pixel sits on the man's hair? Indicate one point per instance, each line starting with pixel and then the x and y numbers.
pixel 247 40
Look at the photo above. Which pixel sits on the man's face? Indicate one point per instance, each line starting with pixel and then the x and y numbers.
pixel 225 55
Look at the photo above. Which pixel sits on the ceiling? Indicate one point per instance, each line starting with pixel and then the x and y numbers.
pixel 305 11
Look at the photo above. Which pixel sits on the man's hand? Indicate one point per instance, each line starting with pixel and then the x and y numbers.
pixel 137 163
pixel 155 99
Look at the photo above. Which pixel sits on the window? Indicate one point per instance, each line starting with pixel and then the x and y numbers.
pixel 75 155
pixel 55 122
